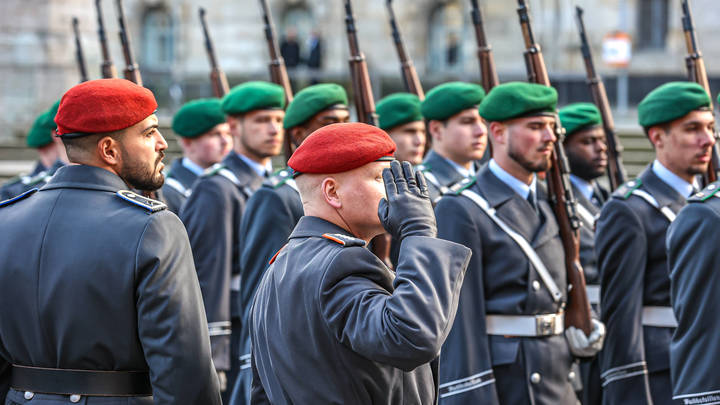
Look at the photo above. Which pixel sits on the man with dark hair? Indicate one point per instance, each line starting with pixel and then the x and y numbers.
pixel 274 209
pixel 110 305
pixel 630 245
pixel 213 213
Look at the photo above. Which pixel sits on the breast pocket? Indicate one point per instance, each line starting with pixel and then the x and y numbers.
pixel 503 350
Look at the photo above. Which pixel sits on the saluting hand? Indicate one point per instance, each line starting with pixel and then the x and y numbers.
pixel 407 211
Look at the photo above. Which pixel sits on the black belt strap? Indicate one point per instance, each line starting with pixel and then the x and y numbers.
pixel 83 382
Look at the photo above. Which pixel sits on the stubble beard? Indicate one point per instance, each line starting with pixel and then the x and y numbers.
pixel 532 167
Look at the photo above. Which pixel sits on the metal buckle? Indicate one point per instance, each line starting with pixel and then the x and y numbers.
pixel 545 324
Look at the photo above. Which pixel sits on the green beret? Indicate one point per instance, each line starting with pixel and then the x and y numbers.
pixel 51 113
pixel 518 99
pixel 671 101
pixel 578 116
pixel 311 100
pixel 398 109
pixel 252 96
pixel 448 99
pixel 41 131
pixel 198 117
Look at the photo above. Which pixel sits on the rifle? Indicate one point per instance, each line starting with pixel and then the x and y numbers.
pixel 107 68
pixel 278 70
pixel 578 310
pixel 488 74
pixel 409 74
pixel 79 52
pixel 362 90
pixel 217 76
pixel 132 71
pixel 616 171
pixel 697 73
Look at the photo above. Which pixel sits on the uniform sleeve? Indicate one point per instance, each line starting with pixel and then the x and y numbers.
pixel 405 326
pixel 171 321
pixel 621 246
pixel 466 374
pixel 208 218
pixel 694 276
pixel 257 393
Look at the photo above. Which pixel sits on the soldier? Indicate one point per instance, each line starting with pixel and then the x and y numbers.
pixel 507 344
pixel 587 154
pixel 275 208
pixel 330 322
pixel 202 131
pixel 110 305
pixel 458 134
pixel 630 244
pixel 694 262
pixel 399 114
pixel 51 154
pixel 213 212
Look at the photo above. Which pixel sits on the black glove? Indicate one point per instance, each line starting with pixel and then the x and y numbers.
pixel 407 211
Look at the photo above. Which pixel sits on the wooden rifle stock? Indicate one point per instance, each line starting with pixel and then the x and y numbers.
pixel 488 73
pixel 616 171
pixel 278 70
pixel 107 68
pixel 409 74
pixel 79 51
pixel 578 309
pixel 697 73
pixel 131 71
pixel 217 76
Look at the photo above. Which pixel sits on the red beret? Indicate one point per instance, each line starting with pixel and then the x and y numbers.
pixel 103 105
pixel 338 148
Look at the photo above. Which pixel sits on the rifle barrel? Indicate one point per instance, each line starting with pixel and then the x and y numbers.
pixel 79 51
pixel 107 68
pixel 488 73
pixel 132 71
pixel 407 69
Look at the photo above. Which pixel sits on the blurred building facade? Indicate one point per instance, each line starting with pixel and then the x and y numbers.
pixel 38 48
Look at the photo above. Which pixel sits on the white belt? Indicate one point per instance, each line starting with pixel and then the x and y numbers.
pixel 663 317
pixel 525 325
pixel 235 283
pixel 593 293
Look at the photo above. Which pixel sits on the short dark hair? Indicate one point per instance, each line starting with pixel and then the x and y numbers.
pixel 78 148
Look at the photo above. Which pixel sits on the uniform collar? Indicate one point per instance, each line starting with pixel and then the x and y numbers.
pixel 195 168
pixel 463 171
pixel 683 188
pixel 309 226
pixel 86 177
pixel 441 168
pixel 516 185
pixel 260 169
pixel 245 174
pixel 660 190
pixel 179 172
pixel 583 186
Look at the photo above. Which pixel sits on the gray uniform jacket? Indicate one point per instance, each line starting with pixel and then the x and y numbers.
pixel 212 217
pixel 178 185
pixel 331 324
pixel 588 258
pixel 477 368
pixel 630 244
pixel 269 218
pixel 36 179
pixel 439 173
pixel 692 243
pixel 110 285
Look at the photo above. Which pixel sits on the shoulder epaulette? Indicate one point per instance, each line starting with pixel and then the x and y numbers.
pixel 213 170
pixel 422 167
pixel 279 178
pixel 147 203
pixel 14 180
pixel 18 198
pixel 706 193
pixel 344 240
pixel 626 190
pixel 458 187
pixel 40 177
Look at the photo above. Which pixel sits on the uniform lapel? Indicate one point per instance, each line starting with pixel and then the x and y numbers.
pixel 548 227
pixel 244 173
pixel 182 174
pixel 665 195
pixel 444 171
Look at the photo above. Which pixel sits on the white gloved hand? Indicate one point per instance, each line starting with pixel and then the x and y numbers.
pixel 586 346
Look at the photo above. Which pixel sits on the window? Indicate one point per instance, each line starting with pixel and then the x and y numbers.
pixel 158 44
pixel 444 42
pixel 652 24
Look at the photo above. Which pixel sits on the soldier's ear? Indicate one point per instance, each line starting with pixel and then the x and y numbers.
pixel 108 150
pixel 655 135
pixel 497 133
pixel 435 128
pixel 329 187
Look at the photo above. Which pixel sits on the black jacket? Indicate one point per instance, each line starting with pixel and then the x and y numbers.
pixel 89 280
pixel 331 324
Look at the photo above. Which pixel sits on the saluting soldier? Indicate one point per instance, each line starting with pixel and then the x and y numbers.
pixel 109 309
pixel 459 135
pixel 274 209
pixel 51 154
pixel 203 132
pixel 507 344
pixel 587 155
pixel 694 263
pixel 399 115
pixel 630 244
pixel 330 322
pixel 213 212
